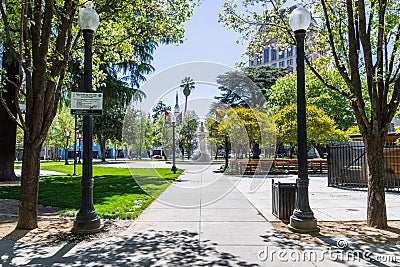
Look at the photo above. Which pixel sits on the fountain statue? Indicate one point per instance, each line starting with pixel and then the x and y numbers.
pixel 201 155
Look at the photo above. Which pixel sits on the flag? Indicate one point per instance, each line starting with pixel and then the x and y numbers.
pixel 218 116
pixel 179 118
pixel 167 117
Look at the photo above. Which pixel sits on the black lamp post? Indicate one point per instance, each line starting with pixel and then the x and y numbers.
pixel 173 121
pixel 87 221
pixel 302 220
pixel 67 135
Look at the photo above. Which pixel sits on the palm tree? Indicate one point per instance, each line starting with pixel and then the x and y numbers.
pixel 188 85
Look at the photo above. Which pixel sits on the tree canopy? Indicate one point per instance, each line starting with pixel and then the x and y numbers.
pixel 246 87
pixel 246 128
pixel 320 127
pixel 283 93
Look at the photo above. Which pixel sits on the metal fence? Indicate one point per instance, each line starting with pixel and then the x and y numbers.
pixel 347 165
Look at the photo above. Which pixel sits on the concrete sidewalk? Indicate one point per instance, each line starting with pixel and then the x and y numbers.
pixel 327 203
pixel 209 219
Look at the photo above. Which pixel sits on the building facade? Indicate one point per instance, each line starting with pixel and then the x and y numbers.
pixel 275 56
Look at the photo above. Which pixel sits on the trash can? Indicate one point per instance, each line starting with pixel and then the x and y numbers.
pixel 283 200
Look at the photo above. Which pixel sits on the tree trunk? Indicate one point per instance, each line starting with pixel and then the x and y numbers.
pixel 8 133
pixel 376 216
pixel 291 151
pixel 255 149
pixel 102 144
pixel 226 154
pixel 28 203
pixel 186 97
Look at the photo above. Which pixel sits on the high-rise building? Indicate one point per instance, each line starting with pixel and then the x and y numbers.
pixel 275 56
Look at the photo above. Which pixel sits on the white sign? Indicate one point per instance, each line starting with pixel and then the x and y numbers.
pixel 86 103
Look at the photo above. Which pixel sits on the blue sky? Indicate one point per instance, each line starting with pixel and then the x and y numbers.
pixel 207 40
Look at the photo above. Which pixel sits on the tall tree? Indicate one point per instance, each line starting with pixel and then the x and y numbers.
pixel 187 132
pixel 283 93
pixel 159 110
pixel 219 138
pixel 48 35
pixel 11 78
pixel 108 127
pixel 244 88
pixel 247 129
pixel 62 121
pixel 320 127
pixel 188 86
pixel 137 131
pixel 9 97
pixel 117 96
pixel 361 39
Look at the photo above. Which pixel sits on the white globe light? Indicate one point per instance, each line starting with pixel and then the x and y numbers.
pixel 300 18
pixel 88 18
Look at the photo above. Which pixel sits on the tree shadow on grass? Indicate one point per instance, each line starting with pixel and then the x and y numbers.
pixel 151 248
pixel 115 193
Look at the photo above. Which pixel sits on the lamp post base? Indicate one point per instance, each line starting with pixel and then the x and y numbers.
pixel 87 226
pixel 303 226
pixel 174 169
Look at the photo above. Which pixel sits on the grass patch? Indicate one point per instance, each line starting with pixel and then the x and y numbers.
pixel 118 193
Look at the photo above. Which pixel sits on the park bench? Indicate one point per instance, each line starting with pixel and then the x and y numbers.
pixel 262 166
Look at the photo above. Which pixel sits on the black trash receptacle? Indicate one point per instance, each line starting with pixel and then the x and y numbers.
pixel 283 200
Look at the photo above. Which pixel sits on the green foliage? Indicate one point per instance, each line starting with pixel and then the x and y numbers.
pixel 244 127
pixel 337 107
pixel 117 95
pixel 320 127
pixel 353 130
pixel 62 121
pixel 109 125
pixel 187 130
pixel 137 132
pixel 247 87
pixel 366 66
pixel 162 134
pixel 188 86
pixel 158 110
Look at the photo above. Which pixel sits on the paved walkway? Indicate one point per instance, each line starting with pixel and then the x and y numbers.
pixel 208 219
pixel 42 173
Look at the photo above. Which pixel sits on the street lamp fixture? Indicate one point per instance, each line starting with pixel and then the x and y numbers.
pixel 67 135
pixel 302 220
pixel 87 221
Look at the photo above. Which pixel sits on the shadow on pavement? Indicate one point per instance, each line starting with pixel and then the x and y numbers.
pixel 153 248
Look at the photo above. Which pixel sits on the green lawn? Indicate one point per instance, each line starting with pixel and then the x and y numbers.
pixel 117 193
